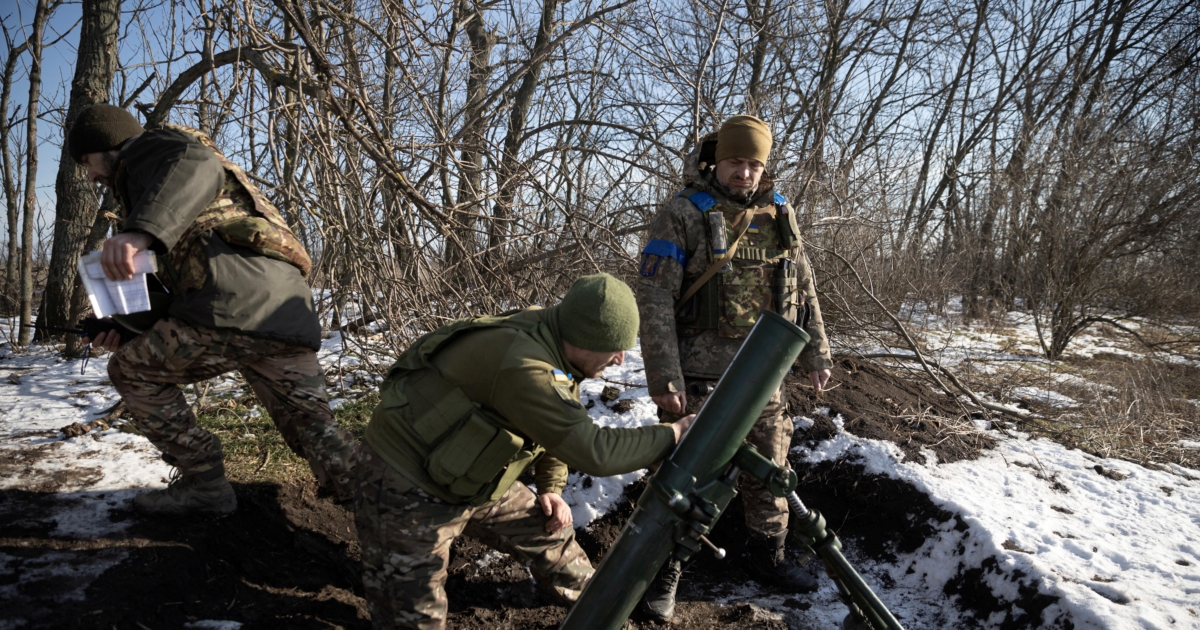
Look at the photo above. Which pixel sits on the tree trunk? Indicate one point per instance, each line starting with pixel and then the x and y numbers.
pixel 760 17
pixel 75 212
pixel 31 161
pixel 470 181
pixel 12 189
pixel 509 175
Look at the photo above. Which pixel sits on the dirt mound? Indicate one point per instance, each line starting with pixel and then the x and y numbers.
pixel 287 559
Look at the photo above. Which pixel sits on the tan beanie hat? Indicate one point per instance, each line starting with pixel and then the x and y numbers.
pixel 744 137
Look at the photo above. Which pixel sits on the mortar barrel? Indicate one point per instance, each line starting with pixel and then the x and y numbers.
pixel 718 431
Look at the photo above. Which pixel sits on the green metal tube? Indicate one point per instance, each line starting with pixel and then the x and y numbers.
pixel 704 455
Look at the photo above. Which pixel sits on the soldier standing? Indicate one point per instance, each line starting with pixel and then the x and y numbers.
pixel 720 251
pixel 463 412
pixel 236 276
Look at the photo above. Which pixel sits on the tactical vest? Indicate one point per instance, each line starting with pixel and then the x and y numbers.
pixel 240 214
pixel 761 275
pixel 471 453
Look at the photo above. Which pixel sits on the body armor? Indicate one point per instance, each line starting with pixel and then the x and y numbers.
pixel 761 273
pixel 240 214
pixel 472 453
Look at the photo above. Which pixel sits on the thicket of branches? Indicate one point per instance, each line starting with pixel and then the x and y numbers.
pixel 448 157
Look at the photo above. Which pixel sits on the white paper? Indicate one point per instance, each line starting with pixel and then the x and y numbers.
pixel 120 297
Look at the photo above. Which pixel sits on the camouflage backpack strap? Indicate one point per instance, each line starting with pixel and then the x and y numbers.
pixel 249 220
pixel 743 224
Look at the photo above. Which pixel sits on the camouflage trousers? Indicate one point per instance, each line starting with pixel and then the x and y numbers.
pixel 766 514
pixel 287 379
pixel 405 535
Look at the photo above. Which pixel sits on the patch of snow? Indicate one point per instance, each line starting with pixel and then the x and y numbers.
pixel 85 480
pixel 1117 554
pixel 1045 397
pixel 212 624
pixel 592 497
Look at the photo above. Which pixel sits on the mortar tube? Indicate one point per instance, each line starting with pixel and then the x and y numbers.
pixel 718 431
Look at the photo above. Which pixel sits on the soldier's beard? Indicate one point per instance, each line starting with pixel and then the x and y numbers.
pixel 740 196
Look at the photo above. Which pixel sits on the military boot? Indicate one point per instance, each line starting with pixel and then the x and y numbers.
pixel 205 493
pixel 766 561
pixel 659 601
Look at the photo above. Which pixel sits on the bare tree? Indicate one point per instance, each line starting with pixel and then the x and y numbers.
pixel 77 204
pixel 41 12
pixel 12 184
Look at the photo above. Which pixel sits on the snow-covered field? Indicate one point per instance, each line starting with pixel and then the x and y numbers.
pixel 1117 544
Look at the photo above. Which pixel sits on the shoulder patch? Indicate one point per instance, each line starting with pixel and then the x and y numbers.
pixel 560 377
pixel 563 384
pixel 649 265
pixel 780 199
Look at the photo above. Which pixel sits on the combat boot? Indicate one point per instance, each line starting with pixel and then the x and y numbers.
pixel 766 561
pixel 206 493
pixel 659 601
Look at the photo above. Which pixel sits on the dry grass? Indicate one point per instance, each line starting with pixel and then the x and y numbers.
pixel 1133 409
pixel 254 448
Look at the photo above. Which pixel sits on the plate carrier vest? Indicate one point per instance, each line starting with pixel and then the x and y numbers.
pixel 761 275
pixel 472 453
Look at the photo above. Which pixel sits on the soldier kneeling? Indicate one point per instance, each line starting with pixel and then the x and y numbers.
pixel 463 412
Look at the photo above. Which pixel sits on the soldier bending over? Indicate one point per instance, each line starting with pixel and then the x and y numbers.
pixel 239 302
pixel 462 414
pixel 722 250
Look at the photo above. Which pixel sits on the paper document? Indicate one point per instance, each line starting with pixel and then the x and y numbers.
pixel 120 297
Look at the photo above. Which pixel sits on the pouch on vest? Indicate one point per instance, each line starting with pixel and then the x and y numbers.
pixel 468 454
pixel 752 281
pixel 472 456
pixel 789 231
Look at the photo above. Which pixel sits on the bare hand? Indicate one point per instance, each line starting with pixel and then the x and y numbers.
pixel 108 340
pixel 117 256
pixel 557 511
pixel 671 402
pixel 819 378
pixel 681 426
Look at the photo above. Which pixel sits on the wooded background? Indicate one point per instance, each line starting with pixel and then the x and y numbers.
pixel 451 157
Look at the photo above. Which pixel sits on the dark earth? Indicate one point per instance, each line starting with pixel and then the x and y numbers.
pixel 288 559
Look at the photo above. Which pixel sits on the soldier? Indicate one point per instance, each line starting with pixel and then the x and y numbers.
pixel 720 251
pixel 236 276
pixel 463 413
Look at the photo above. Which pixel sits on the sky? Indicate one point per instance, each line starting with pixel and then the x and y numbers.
pixel 58 68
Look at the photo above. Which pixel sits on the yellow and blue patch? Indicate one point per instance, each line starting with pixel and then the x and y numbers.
pixel 561 377
pixel 564 385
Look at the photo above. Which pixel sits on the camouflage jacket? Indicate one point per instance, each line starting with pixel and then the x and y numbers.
pixel 231 261
pixel 673 347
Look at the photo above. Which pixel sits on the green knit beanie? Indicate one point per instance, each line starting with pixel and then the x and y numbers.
pixel 101 127
pixel 600 314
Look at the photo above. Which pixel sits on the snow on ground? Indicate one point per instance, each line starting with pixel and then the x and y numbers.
pixel 77 481
pixel 1116 543
pixel 592 497
pixel 1119 545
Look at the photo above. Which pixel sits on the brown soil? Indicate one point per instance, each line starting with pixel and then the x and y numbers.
pixel 287 559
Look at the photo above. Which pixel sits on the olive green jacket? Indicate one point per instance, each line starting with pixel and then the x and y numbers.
pixel 164 180
pixel 512 373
